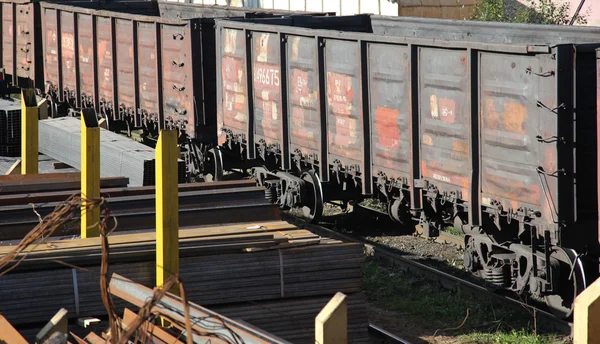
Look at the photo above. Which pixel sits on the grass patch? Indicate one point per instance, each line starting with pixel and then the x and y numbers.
pixel 453 231
pixel 512 337
pixel 432 307
pixel 375 204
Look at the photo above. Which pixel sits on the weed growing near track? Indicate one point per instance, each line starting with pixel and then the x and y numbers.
pixel 438 311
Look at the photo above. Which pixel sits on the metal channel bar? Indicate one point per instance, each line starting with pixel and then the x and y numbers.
pixel 211 214
pixel 446 280
pixel 110 189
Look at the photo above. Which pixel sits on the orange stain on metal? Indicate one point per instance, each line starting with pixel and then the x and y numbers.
pixel 460 146
pixel 491 118
pixel 513 117
pixel 388 131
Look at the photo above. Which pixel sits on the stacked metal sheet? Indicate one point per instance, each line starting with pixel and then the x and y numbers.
pixel 10 127
pixel 60 138
pixel 280 287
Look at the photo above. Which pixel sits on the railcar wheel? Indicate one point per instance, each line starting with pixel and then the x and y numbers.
pixel 564 261
pixel 213 166
pixel 313 207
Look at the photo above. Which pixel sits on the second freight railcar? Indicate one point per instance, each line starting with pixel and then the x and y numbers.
pixel 481 135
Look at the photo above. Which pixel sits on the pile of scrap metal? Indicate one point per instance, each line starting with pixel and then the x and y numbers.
pixel 188 323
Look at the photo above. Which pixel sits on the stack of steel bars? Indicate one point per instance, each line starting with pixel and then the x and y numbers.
pixel 60 138
pixel 134 207
pixel 270 274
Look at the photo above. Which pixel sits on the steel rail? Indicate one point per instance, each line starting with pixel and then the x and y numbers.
pixel 385 336
pixel 447 280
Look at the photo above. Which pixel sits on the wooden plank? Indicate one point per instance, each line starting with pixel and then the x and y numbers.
pixel 15 169
pixel 93 338
pixel 8 334
pixel 331 324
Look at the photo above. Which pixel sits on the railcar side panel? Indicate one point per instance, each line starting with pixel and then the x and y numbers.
pixel 303 96
pixel 85 42
pixel 445 119
pixel 51 52
pixel 518 136
pixel 148 74
pixel 67 48
pixel 390 110
pixel 25 34
pixel 266 83
pixel 345 133
pixel 105 62
pixel 125 73
pixel 234 113
pixel 177 77
pixel 8 37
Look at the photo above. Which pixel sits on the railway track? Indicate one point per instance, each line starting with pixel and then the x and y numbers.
pixel 382 336
pixel 447 280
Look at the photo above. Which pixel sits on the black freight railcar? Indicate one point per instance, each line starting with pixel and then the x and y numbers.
pixel 477 133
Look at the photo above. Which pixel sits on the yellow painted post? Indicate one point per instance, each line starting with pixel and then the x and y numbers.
pixel 29 132
pixel 167 207
pixel 587 315
pixel 90 171
pixel 331 325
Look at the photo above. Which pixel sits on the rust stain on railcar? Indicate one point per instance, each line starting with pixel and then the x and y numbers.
pixel 85 42
pixel 267 87
pixel 67 47
pixel 511 121
pixel 7 37
pixel 147 71
pixel 105 65
pixel 25 41
pixel 389 101
pixel 51 52
pixel 125 70
pixel 344 105
pixel 445 118
pixel 233 73
pixel 177 78
pixel 305 120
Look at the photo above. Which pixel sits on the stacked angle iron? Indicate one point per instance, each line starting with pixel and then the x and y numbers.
pixel 60 138
pixel 279 287
pixel 10 128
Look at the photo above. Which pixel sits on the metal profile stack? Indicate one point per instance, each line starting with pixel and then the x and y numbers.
pixel 10 128
pixel 60 138
pixel 272 275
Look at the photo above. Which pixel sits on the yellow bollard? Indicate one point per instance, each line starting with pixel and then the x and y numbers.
pixel 90 171
pixel 587 315
pixel 167 207
pixel 331 324
pixel 29 132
